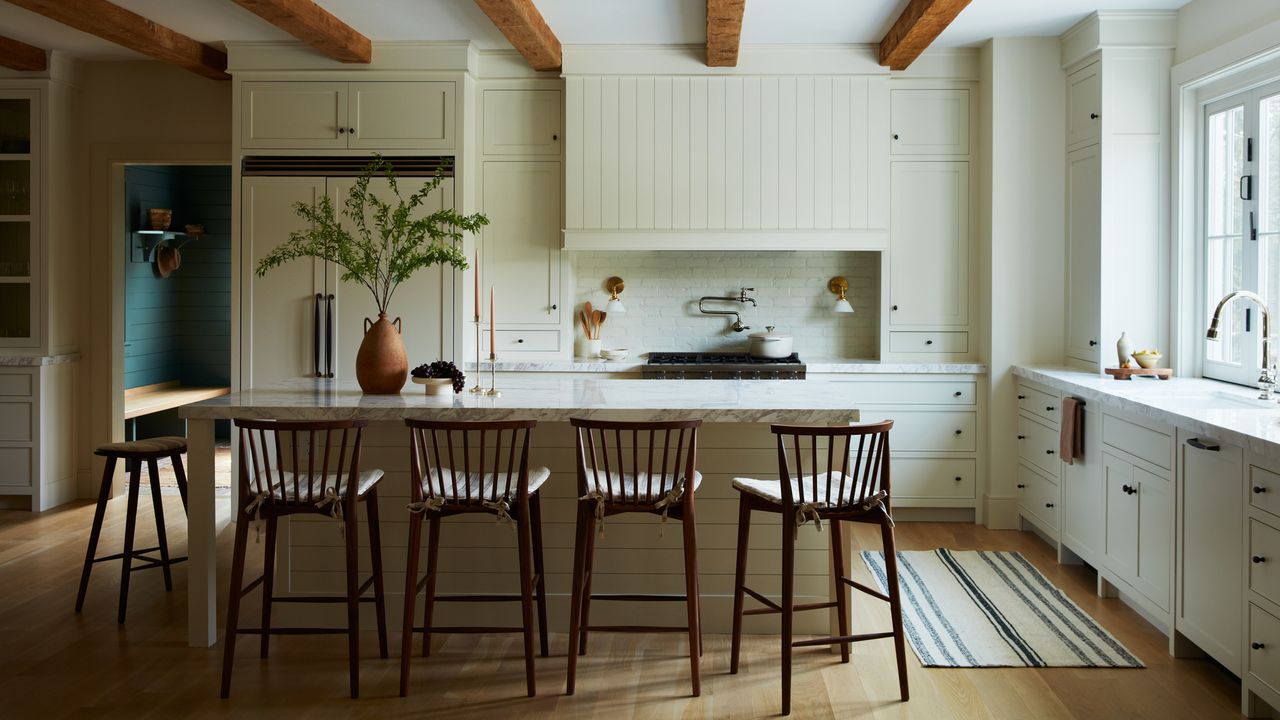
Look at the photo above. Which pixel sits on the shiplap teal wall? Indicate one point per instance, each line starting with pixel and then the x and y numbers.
pixel 179 327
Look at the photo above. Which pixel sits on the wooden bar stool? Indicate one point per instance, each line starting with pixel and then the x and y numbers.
pixel 821 492
pixel 292 468
pixel 661 481
pixel 133 453
pixel 462 468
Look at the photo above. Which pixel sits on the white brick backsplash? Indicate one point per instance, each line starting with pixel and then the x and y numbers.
pixel 791 288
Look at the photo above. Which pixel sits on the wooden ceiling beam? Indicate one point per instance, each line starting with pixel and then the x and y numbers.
pixel 131 30
pixel 724 32
pixel 920 23
pixel 314 26
pixel 17 55
pixel 523 26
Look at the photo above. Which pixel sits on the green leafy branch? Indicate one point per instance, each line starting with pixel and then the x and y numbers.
pixel 391 239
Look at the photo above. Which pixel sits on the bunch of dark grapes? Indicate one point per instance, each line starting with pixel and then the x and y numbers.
pixel 442 369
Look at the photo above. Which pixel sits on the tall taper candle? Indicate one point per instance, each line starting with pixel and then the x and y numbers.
pixel 477 279
pixel 492 347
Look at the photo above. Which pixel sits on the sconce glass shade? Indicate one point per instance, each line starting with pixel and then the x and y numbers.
pixel 843 306
pixel 615 306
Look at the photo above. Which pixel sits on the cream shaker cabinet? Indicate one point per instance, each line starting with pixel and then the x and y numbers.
pixel 309 115
pixel 522 240
pixel 1084 106
pixel 1084 183
pixel 1082 494
pixel 522 122
pixel 929 247
pixel 929 121
pixel 1139 527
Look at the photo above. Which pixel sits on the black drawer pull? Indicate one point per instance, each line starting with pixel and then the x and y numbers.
pixel 1048 505
pixel 1021 486
pixel 1048 452
pixel 1022 397
pixel 1199 444
pixel 1093 116
pixel 1258 559
pixel 1022 437
pixel 1257 645
pixel 1127 489
pixel 1093 343
pixel 928 342
pixel 957 393
pixel 958 478
pixel 959 431
pixel 1258 489
pixel 1049 408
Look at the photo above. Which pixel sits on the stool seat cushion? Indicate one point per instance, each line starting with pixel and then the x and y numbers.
pixel 637 486
pixel 156 446
pixel 304 489
pixel 443 481
pixel 771 490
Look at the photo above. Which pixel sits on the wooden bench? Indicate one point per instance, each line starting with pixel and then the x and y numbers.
pixel 148 399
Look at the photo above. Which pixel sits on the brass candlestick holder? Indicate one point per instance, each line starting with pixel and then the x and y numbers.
pixel 476 388
pixel 493 390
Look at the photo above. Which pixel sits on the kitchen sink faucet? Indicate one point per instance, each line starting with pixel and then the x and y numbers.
pixel 1267 380
pixel 737 325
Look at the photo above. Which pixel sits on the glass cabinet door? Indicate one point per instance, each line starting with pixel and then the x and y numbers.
pixel 17 237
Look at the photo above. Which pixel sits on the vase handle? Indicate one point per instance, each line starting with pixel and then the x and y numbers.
pixel 399 329
pixel 367 324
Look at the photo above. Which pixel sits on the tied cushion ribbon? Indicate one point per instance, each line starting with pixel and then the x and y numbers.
pixel 503 510
pixel 254 508
pixel 434 504
pixel 876 500
pixel 671 498
pixel 598 497
pixel 334 502
pixel 806 512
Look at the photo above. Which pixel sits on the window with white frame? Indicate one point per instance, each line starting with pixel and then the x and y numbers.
pixel 1241 225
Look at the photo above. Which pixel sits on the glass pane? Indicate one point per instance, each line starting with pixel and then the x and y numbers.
pixel 1268 219
pixel 15 187
pixel 1224 241
pixel 15 249
pixel 15 126
pixel 15 310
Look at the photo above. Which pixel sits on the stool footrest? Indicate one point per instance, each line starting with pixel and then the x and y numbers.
pixel 639 597
pixel 868 590
pixel 771 605
pixel 293 631
pixel 135 554
pixel 317 599
pixel 477 598
pixel 836 640
pixel 467 629
pixel 801 607
pixel 635 628
pixel 155 563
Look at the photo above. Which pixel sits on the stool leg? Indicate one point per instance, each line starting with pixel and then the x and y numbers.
pixel 268 583
pixel 692 601
pixel 410 598
pixel 788 602
pixel 104 496
pixel 842 590
pixel 433 547
pixel 583 529
pixel 353 603
pixel 895 605
pixel 181 474
pixel 234 594
pixel 130 524
pixel 157 505
pixel 535 519
pixel 740 580
pixel 588 574
pixel 375 555
pixel 524 543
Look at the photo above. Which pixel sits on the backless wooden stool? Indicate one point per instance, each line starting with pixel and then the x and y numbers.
pixel 856 492
pixel 133 453
pixel 661 481
pixel 292 468
pixel 463 468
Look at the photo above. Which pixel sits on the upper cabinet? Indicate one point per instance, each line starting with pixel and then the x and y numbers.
pixel 309 115
pixel 522 122
pixel 20 160
pixel 1084 106
pixel 930 121
pixel 929 254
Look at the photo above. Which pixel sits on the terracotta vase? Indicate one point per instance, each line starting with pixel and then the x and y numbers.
pixel 381 363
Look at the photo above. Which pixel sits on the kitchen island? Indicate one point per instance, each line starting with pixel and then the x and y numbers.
pixel 635 552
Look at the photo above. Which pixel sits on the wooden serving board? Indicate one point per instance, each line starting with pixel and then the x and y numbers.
pixel 1129 373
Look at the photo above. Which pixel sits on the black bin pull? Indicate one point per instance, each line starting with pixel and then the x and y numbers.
pixel 1199 444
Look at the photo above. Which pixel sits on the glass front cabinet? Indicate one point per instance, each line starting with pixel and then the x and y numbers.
pixel 20 148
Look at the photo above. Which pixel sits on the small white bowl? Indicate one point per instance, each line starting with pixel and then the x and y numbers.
pixel 614 354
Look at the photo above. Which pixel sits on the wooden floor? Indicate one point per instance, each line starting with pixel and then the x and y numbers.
pixel 54 663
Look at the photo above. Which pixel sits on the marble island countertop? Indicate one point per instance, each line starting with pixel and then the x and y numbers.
pixel 1226 412
pixel 550 400
pixel 819 365
pixel 37 360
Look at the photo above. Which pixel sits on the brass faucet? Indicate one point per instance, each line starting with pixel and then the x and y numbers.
pixel 1267 380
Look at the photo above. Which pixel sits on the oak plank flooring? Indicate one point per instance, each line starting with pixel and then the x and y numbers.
pixel 55 664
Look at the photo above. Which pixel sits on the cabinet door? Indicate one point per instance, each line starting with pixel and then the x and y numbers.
pixel 1084 106
pixel 929 122
pixel 401 114
pixel 1155 537
pixel 280 312
pixel 1083 496
pixel 929 244
pixel 522 122
pixel 420 302
pixel 522 240
pixel 295 115
pixel 1210 572
pixel 1121 512
pixel 1084 187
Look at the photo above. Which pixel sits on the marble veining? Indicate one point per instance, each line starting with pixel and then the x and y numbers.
pixel 550 400
pixel 37 360
pixel 817 366
pixel 1209 407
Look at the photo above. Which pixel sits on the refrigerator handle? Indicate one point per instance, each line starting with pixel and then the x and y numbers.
pixel 315 338
pixel 328 337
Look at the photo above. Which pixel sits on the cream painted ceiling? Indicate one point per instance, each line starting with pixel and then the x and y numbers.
pixel 582 22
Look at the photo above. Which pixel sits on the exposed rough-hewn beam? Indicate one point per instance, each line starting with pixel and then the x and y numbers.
pixel 17 55
pixel 524 27
pixel 314 26
pixel 724 32
pixel 920 23
pixel 123 27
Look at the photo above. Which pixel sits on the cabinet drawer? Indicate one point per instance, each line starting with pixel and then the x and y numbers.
pixel 1039 403
pixel 1038 496
pixel 932 478
pixel 928 342
pixel 1264 661
pixel 1038 445
pixel 912 393
pixel 1264 572
pixel 15 467
pixel 525 340
pixel 1264 489
pixel 15 384
pixel 1138 440
pixel 921 431
pixel 15 422
pixel 521 122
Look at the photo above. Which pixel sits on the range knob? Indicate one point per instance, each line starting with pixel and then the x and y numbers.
pixel 737 374
pixel 706 375
pixel 775 375
pixel 755 375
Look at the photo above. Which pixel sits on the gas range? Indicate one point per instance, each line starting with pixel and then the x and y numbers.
pixel 721 366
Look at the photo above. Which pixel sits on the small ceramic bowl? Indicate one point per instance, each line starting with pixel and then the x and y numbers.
pixel 436 386
pixel 1147 360
pixel 614 354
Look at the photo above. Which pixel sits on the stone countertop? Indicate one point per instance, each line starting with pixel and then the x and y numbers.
pixel 1226 412
pixel 814 366
pixel 550 400
pixel 37 360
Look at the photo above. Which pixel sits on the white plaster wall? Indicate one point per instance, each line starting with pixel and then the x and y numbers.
pixel 791 290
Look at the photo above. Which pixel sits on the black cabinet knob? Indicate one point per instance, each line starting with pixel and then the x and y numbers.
pixel 1093 343
pixel 928 342
pixel 1022 437
pixel 555 307
pixel 895 136
pixel 351 130
pixel 1258 489
pixel 1093 116
pixel 1022 397
pixel 958 478
pixel 895 307
pixel 1021 486
pixel 1258 559
pixel 519 340
pixel 555 136
pixel 1048 452
pixel 342 131
pixel 1048 505
pixel 959 432
pixel 957 393
pixel 1257 645
pixel 1049 408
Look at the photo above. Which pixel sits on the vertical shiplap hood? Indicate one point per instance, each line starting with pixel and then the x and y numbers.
pixel 787 151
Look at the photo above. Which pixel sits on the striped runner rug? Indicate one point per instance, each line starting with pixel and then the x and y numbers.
pixel 993 609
